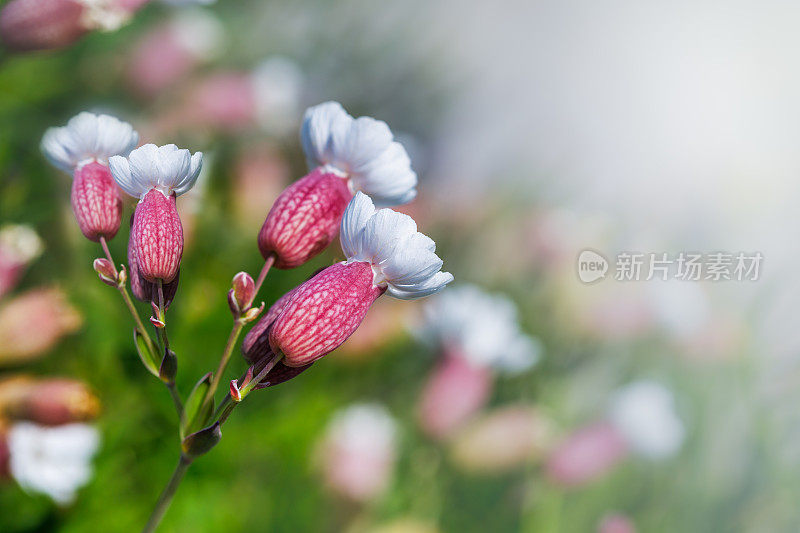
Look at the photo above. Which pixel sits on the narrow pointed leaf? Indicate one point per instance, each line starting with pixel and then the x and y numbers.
pixel 148 358
pixel 193 419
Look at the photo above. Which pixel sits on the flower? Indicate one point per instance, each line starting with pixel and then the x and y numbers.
pixel 50 401
pixel 47 24
pixel 586 455
pixel 454 392
pixel 33 322
pixel 385 253
pixel 157 175
pixel 346 155
pixel 359 450
pixel 55 461
pixel 168 53
pixel 19 245
pixel 504 439
pixel 83 147
pixel 644 413
pixel 482 327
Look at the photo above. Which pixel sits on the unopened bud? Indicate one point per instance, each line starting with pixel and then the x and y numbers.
pixel 236 396
pixel 201 442
pixel 240 297
pixel 169 367
pixel 157 323
pixel 253 313
pixel 122 277
pixel 105 270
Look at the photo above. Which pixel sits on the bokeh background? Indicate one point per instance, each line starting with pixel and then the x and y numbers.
pixel 538 130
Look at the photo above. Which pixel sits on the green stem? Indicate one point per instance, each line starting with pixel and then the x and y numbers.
pixel 223 362
pixel 166 496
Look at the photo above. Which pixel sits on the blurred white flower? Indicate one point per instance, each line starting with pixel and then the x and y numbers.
pixel 277 87
pixel 55 461
pixel 482 327
pixel 359 450
pixel 88 137
pixel 644 413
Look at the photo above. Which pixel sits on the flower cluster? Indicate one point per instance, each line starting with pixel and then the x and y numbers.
pixel 352 160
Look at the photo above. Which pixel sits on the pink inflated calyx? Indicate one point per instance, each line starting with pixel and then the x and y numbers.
pixel 41 24
pixel 96 201
pixel 157 237
pixel 144 290
pixel 323 312
pixel 305 218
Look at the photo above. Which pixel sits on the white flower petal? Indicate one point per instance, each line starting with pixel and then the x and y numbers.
pixel 433 285
pixel 363 149
pixel 86 137
pixel 387 178
pixel 410 266
pixel 354 220
pixel 318 123
pixel 121 171
pixel 169 169
pixel 384 232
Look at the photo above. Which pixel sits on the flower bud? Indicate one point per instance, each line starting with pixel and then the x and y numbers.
pixel 201 442
pixel 32 323
pixel 96 202
pixel 240 297
pixel 304 219
pixel 51 401
pixel 105 270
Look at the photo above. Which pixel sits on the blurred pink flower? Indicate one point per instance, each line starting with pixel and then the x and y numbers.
pixel 32 323
pixel 168 53
pixel 260 174
pixel 616 523
pixel 358 452
pixel 47 401
pixel 502 440
pixel 19 245
pixel 455 391
pixel 586 455
pixel 46 24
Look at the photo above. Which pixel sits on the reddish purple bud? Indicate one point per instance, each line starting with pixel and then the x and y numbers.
pixel 241 295
pixel 96 201
pixel 304 219
pixel 454 393
pixel 157 323
pixel 323 312
pixel 41 24
pixel 157 237
pixel 106 271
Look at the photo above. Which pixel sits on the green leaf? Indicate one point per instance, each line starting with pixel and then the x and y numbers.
pixel 193 419
pixel 148 358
